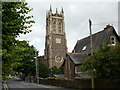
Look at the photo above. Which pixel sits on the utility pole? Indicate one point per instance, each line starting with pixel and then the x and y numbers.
pixel 37 68
pixel 91 48
pixel 91 45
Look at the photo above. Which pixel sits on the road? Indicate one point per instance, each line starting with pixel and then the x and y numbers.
pixel 17 84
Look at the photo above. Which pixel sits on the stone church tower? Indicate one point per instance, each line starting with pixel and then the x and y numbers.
pixel 55 44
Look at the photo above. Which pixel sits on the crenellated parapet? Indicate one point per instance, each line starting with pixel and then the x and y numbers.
pixel 59 14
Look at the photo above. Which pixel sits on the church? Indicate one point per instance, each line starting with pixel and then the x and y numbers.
pixel 55 53
pixel 55 39
pixel 82 50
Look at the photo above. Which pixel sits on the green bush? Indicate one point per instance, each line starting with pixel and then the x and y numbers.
pixel 43 70
pixel 106 62
pixel 54 70
pixel 6 78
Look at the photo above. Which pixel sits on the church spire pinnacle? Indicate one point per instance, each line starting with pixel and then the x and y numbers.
pixel 50 8
pixel 46 13
pixel 50 11
pixel 56 11
pixel 62 10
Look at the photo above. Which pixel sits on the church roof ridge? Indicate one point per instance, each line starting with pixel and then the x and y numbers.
pixel 106 28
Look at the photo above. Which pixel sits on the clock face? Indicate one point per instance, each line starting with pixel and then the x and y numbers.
pixel 58 40
pixel 58 58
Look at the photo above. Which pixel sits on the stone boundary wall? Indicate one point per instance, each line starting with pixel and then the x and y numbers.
pixel 78 83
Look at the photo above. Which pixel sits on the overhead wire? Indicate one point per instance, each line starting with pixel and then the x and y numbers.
pixel 106 23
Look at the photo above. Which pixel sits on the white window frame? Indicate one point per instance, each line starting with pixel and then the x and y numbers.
pixel 113 42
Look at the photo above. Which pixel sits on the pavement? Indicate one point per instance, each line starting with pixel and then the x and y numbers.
pixel 21 85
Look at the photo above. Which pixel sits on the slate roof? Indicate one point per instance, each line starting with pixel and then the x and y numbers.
pixel 102 37
pixel 83 45
pixel 78 58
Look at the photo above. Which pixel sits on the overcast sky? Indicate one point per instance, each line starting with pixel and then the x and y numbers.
pixel 77 15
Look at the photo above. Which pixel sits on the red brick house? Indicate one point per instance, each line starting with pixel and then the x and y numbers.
pixel 81 51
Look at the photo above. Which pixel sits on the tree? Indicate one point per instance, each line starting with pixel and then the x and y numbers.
pixel 54 70
pixel 43 70
pixel 26 62
pixel 106 62
pixel 15 21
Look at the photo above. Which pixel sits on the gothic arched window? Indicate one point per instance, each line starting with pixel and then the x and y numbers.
pixel 54 26
pixel 54 21
pixel 59 27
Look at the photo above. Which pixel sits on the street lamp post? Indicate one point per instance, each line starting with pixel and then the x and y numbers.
pixel 36 64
